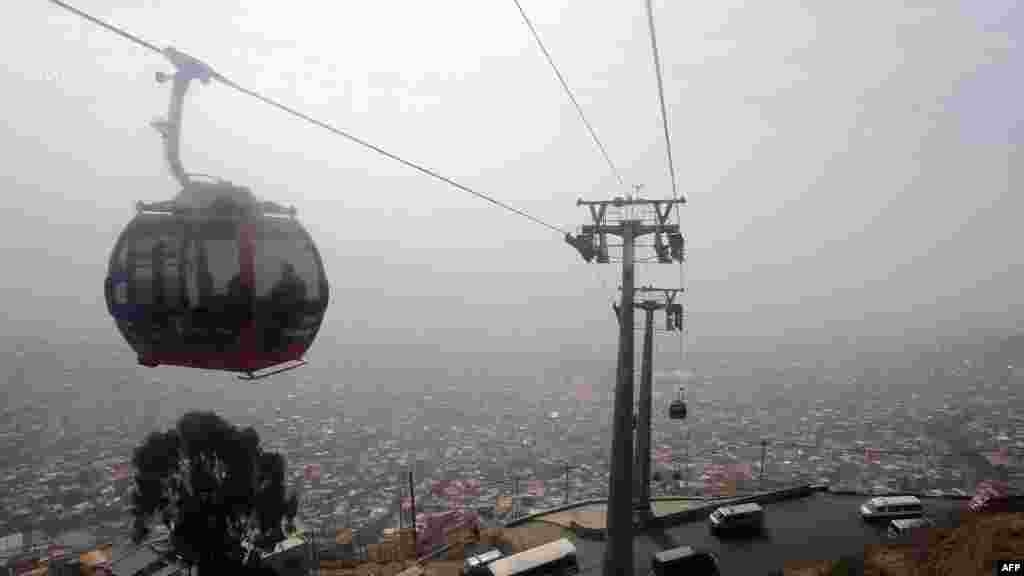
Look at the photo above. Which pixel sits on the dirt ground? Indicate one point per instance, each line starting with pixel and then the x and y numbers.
pixel 531 535
pixel 972 548
pixel 592 516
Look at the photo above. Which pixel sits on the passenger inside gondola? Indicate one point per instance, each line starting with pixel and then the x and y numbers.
pixel 285 305
pixel 287 292
pixel 290 291
pixel 219 265
pixel 238 302
pixel 158 314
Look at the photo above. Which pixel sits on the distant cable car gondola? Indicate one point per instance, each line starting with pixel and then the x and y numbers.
pixel 214 278
pixel 677 409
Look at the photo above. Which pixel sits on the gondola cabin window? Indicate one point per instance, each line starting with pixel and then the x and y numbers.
pixel 217 293
pixel 282 260
pixel 286 285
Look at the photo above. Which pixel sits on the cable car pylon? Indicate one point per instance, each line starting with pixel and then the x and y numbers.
pixel 592 244
pixel 673 316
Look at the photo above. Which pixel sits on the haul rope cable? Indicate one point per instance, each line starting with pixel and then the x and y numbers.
pixel 223 80
pixel 569 93
pixel 590 128
pixel 668 151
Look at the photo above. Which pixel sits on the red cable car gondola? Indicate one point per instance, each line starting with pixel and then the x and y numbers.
pixel 214 279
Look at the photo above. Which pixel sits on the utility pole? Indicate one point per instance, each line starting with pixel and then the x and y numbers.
pixel 515 497
pixel 689 464
pixel 314 553
pixel 567 482
pixel 764 449
pixel 643 428
pixel 592 243
pixel 412 507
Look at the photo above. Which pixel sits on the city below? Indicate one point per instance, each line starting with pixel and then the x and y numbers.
pixel 353 472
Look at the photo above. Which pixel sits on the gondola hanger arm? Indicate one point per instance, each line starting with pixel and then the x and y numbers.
pixel 187 69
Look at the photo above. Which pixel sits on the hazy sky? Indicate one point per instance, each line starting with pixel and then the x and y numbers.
pixel 843 160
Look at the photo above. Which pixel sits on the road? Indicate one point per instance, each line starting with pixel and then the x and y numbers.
pixel 819 527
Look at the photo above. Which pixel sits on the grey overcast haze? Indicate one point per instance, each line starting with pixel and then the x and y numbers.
pixel 851 169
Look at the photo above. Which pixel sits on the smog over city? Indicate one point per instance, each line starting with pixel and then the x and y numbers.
pixel 387 246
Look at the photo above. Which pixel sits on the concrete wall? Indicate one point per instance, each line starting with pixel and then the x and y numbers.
pixel 581 503
pixel 776 496
pixel 539 515
pixel 921 496
pixel 785 494
pixel 702 512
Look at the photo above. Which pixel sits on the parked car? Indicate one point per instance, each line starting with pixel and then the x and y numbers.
pixel 905 526
pixel 477 565
pixel 739 518
pixel 556 558
pixel 890 507
pixel 684 561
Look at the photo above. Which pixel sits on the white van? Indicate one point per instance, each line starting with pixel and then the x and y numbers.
pixel 556 558
pixel 742 517
pixel 684 561
pixel 477 565
pixel 886 507
pixel 902 527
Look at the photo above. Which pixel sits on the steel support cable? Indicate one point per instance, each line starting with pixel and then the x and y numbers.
pixel 579 110
pixel 383 152
pixel 661 99
pixel 668 151
pixel 291 111
pixel 568 92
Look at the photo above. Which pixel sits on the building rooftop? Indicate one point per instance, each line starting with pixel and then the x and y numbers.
pixel 133 561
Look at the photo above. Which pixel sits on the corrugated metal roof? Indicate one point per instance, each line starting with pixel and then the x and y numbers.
pixel 285 546
pixel 134 562
pixel 77 540
pixel 171 570
pixel 12 542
